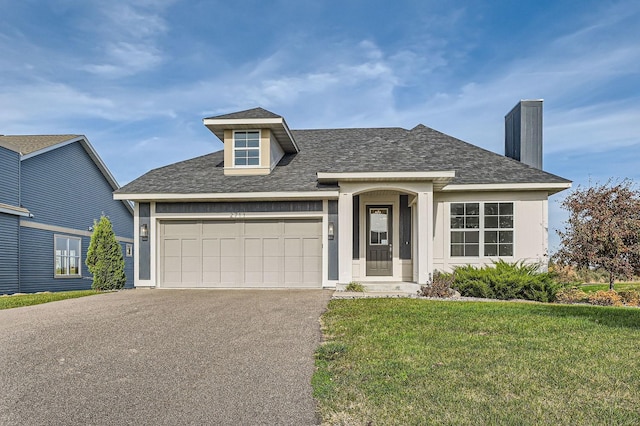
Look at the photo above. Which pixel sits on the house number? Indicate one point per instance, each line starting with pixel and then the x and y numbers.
pixel 235 215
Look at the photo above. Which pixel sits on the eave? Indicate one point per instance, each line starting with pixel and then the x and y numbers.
pixel 550 188
pixel 229 196
pixel 278 127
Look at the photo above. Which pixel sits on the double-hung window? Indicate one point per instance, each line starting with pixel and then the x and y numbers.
pixel 246 148
pixel 67 256
pixel 498 229
pixel 465 224
pixel 481 225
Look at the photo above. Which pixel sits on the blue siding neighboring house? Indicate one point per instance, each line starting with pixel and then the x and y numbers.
pixel 52 188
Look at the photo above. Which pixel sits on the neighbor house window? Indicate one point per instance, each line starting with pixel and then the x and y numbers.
pixel 486 225
pixel 67 256
pixel 246 148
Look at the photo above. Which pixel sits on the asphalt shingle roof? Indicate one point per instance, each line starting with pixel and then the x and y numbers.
pixel 345 150
pixel 249 113
pixel 26 144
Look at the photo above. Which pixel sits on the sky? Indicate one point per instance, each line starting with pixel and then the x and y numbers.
pixel 138 77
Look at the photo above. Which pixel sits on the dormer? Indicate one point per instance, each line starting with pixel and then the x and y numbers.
pixel 254 140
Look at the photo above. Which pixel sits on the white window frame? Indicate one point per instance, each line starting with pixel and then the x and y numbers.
pixel 498 229
pixel 482 229
pixel 67 257
pixel 247 148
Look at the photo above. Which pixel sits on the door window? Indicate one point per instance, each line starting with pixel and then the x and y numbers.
pixel 378 226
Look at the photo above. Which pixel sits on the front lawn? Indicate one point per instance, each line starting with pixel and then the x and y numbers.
pixel 592 288
pixel 408 361
pixel 15 301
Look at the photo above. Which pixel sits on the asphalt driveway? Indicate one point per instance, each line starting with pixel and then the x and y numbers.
pixel 163 357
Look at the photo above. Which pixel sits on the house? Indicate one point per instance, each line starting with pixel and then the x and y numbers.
pixel 52 187
pixel 316 208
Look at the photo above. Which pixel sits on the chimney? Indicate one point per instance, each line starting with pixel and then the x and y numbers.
pixel 523 133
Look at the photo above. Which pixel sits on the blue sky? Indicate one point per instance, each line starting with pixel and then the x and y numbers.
pixel 138 77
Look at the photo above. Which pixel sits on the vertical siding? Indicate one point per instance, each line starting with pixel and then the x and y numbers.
pixel 64 187
pixel 144 251
pixel 8 253
pixel 333 260
pixel 405 228
pixel 9 177
pixel 37 263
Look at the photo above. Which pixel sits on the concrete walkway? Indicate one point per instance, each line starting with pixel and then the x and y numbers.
pixel 162 357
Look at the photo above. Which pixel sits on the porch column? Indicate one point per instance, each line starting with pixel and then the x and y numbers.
pixel 425 236
pixel 345 240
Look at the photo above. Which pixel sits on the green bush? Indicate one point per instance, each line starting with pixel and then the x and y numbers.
pixel 505 281
pixel 354 286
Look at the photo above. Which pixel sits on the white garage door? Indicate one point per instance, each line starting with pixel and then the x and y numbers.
pixel 251 253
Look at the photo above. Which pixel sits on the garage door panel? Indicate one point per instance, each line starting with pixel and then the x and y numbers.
pixel 311 247
pixel 211 247
pixel 262 228
pixel 221 229
pixel 292 247
pixel 229 247
pixel 261 253
pixel 272 263
pixel 311 264
pixel 172 247
pixel 253 247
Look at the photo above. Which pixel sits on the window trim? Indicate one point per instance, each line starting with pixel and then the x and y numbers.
pixel 259 148
pixel 482 229
pixel 55 256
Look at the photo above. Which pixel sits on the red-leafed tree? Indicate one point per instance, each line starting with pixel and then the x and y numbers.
pixel 603 229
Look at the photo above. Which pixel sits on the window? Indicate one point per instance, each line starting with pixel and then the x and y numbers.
pixel 489 225
pixel 246 148
pixel 67 256
pixel 498 229
pixel 465 222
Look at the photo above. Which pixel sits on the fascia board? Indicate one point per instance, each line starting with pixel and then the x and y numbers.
pixel 229 196
pixel 396 176
pixel 550 187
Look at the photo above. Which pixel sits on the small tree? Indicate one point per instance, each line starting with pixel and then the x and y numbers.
pixel 104 257
pixel 603 230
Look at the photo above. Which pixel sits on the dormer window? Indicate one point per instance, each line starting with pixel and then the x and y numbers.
pixel 246 148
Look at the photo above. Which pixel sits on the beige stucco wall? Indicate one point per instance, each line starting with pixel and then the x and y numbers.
pixel 530 227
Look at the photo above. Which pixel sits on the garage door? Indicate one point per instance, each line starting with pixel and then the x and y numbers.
pixel 228 254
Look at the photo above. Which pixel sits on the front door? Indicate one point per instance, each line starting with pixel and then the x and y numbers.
pixel 379 247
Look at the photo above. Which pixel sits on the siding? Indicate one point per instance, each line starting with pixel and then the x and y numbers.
pixel 64 187
pixel 8 253
pixel 9 177
pixel 37 263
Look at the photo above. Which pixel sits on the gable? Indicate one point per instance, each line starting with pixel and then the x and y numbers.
pixel 65 187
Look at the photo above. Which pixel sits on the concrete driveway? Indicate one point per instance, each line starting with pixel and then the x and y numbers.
pixel 166 357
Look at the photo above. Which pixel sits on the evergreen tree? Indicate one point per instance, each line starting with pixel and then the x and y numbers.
pixel 104 257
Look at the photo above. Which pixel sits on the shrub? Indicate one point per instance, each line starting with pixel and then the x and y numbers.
pixel 630 297
pixel 354 286
pixel 104 257
pixel 506 281
pixel 605 298
pixel 572 295
pixel 440 286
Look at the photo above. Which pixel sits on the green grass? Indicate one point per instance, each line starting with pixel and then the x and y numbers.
pixel 415 362
pixel 592 288
pixel 18 300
